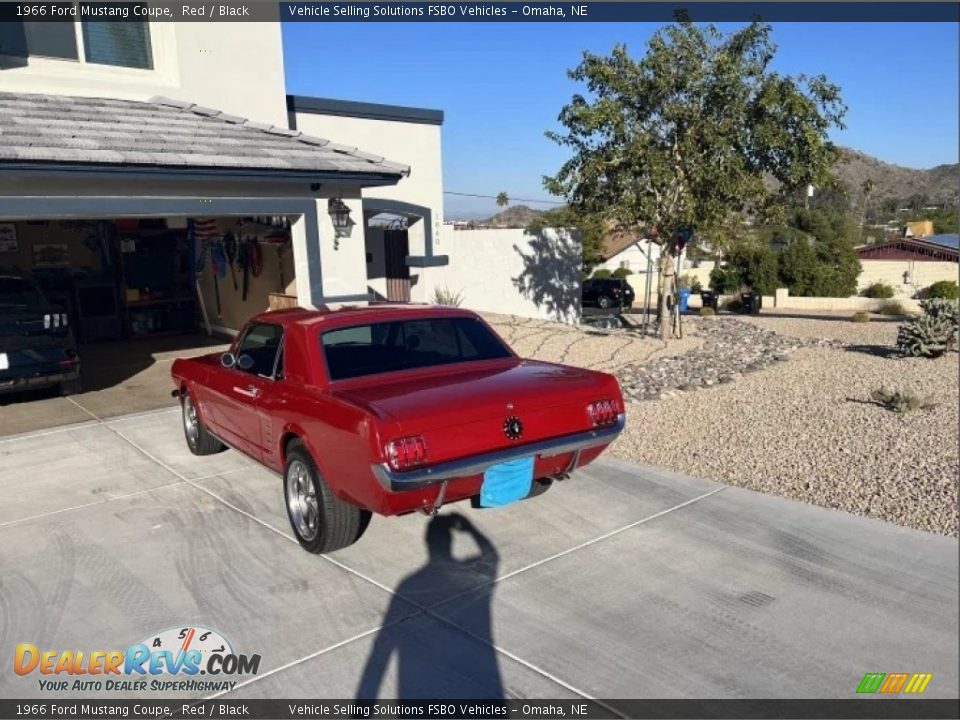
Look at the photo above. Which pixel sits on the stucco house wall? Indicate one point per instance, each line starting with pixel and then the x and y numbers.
pixel 515 272
pixel 236 67
pixel 404 140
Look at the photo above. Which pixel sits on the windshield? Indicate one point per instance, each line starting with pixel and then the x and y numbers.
pixel 17 292
pixel 407 344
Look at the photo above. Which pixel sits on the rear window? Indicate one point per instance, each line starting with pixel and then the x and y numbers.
pixel 15 292
pixel 407 344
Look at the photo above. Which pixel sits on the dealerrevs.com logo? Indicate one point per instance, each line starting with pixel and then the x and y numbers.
pixel 172 660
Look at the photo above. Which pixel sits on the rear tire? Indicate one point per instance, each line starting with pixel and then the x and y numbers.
pixel 198 439
pixel 71 387
pixel 604 302
pixel 539 486
pixel 321 521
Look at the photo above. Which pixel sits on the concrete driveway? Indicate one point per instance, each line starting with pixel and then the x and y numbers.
pixel 623 582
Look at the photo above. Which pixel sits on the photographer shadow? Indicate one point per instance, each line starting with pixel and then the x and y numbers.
pixel 434 660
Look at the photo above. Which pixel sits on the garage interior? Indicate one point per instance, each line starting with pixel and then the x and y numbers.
pixel 140 292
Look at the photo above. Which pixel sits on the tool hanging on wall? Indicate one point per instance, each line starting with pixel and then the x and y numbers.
pixel 218 263
pixel 230 251
pixel 281 241
pixel 254 257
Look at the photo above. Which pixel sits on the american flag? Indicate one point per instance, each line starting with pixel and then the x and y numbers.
pixel 205 229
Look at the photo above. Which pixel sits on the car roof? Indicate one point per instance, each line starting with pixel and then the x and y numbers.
pixel 353 314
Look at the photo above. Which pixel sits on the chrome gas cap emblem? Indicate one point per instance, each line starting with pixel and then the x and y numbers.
pixel 512 427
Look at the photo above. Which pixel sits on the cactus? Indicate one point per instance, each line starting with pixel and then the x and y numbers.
pixel 933 333
pixel 900 402
pixel 938 307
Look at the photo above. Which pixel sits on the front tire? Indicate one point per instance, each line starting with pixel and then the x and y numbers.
pixel 321 521
pixel 198 439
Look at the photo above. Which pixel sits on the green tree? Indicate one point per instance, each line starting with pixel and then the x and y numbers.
pixel 592 231
pixel 684 136
pixel 503 199
pixel 821 260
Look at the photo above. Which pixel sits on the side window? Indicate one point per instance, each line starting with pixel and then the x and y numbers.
pixel 261 343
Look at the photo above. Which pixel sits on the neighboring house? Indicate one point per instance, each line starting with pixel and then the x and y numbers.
pixel 918 228
pixel 909 264
pixel 110 148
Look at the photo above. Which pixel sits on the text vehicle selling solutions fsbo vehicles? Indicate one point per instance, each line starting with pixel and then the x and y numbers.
pixel 389 409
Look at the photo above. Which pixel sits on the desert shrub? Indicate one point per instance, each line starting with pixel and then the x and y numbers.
pixel 707 312
pixel 753 266
pixel 725 278
pixel 878 290
pixel 944 290
pixel 690 281
pixel 901 402
pixel 621 272
pixel 733 305
pixel 446 296
pixel 893 308
pixel 939 307
pixel 926 336
pixel 601 274
pixel 860 317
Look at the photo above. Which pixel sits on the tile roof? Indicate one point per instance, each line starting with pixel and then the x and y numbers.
pixel 162 132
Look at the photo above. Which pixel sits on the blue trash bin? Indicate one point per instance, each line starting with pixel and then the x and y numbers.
pixel 684 294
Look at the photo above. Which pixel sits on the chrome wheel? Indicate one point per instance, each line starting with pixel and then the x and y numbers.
pixel 302 501
pixel 191 425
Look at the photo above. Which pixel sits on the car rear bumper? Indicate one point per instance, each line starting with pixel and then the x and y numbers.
pixel 476 465
pixel 37 380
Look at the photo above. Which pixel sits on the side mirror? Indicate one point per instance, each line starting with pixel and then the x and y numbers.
pixel 228 360
pixel 245 362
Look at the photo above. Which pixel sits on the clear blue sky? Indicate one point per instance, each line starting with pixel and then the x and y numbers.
pixel 502 85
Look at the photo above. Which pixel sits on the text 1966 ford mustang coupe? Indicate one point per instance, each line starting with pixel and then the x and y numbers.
pixel 389 409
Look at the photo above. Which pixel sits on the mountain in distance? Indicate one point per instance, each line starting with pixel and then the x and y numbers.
pixel 936 185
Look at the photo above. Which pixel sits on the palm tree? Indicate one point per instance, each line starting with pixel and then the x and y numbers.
pixel 502 199
pixel 868 187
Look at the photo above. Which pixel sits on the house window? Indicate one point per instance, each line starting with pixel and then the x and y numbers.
pixel 121 44
pixel 625 264
pixel 39 39
pixel 125 44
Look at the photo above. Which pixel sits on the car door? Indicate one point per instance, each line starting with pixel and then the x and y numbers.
pixel 589 293
pixel 239 389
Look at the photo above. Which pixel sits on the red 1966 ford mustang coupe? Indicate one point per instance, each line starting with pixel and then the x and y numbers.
pixel 389 409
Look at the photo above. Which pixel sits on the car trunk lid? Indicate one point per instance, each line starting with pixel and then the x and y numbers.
pixel 464 411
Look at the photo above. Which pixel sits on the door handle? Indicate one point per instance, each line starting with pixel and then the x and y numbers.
pixel 250 391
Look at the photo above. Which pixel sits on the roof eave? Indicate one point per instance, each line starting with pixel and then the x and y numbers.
pixel 152 172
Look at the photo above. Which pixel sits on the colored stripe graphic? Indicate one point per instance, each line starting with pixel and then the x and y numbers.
pixel 918 682
pixel 894 683
pixel 871 682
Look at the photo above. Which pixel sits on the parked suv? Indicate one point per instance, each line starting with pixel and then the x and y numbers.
pixel 36 346
pixel 607 293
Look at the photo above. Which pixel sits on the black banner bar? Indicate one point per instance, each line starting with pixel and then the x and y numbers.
pixel 91 709
pixel 483 11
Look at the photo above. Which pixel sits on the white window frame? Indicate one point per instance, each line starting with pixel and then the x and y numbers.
pixel 162 47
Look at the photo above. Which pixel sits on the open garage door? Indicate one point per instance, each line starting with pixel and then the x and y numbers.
pixel 129 296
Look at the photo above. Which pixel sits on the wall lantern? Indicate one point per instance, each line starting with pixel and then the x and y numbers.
pixel 340 214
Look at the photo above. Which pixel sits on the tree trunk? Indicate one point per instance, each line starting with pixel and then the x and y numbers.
pixel 668 283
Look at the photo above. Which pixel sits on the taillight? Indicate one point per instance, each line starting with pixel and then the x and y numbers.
pixel 54 321
pixel 408 452
pixel 602 413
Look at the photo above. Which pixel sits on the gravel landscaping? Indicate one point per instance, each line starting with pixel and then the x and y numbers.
pixel 803 427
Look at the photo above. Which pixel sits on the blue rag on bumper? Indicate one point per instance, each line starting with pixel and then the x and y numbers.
pixel 506 482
